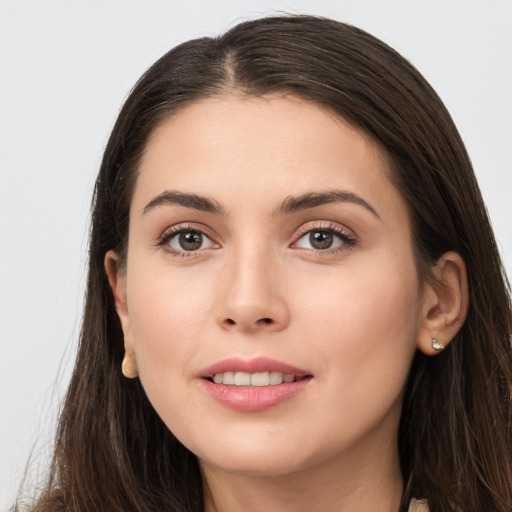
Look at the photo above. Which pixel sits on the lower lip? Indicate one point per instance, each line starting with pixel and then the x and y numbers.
pixel 254 399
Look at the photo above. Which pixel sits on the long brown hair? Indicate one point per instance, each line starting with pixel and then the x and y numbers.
pixel 113 452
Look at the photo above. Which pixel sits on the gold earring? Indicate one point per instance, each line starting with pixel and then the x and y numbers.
pixel 438 347
pixel 129 366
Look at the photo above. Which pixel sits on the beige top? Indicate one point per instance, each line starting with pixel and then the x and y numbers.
pixel 418 506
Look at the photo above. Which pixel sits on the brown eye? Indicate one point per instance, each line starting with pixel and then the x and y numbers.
pixel 321 239
pixel 189 240
pixel 324 239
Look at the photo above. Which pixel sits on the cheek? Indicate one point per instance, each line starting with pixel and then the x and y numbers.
pixel 166 318
pixel 365 327
pixel 161 299
pixel 167 314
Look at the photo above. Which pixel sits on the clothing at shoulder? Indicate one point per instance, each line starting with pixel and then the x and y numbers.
pixel 418 506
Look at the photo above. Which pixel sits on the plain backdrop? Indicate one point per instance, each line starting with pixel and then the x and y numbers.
pixel 65 68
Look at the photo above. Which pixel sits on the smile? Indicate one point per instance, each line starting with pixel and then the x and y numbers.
pixel 253 385
pixel 259 379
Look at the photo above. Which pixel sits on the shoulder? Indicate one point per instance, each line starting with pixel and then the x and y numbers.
pixel 418 506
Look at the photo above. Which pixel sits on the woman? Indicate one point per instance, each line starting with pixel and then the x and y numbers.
pixel 295 300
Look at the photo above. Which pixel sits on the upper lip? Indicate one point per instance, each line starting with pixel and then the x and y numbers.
pixel 256 365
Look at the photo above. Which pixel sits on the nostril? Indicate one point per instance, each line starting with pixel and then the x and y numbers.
pixel 260 322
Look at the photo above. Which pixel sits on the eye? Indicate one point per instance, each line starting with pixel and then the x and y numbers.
pixel 319 240
pixel 324 239
pixel 186 240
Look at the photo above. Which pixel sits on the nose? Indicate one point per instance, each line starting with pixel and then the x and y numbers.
pixel 253 296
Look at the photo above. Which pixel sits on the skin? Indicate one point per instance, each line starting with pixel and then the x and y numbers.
pixel 352 315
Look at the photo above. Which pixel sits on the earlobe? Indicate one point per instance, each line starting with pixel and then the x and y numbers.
pixel 129 365
pixel 445 304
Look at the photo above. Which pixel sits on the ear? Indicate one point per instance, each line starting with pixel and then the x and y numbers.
pixel 116 274
pixel 445 304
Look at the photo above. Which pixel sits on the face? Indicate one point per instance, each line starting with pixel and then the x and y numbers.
pixel 270 292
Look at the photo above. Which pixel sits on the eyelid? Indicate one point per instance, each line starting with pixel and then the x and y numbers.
pixel 347 235
pixel 173 230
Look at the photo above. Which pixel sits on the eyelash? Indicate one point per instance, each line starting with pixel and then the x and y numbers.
pixel 347 238
pixel 169 234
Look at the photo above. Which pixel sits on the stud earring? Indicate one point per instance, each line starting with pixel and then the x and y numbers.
pixel 129 366
pixel 438 347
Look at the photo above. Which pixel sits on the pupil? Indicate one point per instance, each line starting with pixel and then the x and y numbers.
pixel 191 240
pixel 321 239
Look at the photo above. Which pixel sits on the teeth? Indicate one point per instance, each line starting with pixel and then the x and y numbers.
pixel 242 379
pixel 275 378
pixel 227 378
pixel 260 379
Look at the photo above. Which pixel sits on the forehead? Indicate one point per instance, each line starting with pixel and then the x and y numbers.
pixel 236 147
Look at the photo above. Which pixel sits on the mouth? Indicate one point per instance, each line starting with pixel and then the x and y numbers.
pixel 258 379
pixel 255 385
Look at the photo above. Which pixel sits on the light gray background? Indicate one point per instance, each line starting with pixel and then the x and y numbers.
pixel 65 68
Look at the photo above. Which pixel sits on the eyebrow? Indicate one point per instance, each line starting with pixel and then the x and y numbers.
pixel 170 197
pixel 314 199
pixel 289 205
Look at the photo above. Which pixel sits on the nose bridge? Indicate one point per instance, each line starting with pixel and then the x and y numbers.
pixel 253 298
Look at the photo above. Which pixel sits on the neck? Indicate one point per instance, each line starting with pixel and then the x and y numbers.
pixel 340 484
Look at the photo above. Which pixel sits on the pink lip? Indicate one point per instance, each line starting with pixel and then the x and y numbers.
pixel 253 399
pixel 259 364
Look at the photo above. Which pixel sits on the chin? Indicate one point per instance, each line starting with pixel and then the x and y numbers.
pixel 273 457
pixel 262 465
